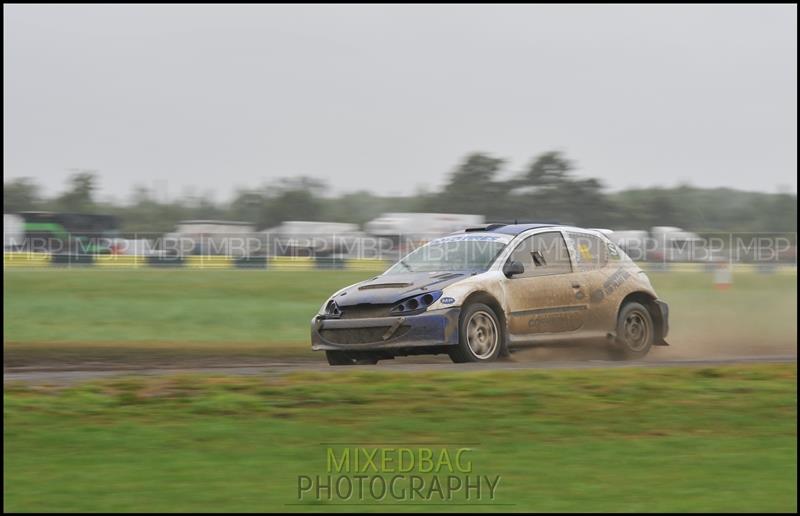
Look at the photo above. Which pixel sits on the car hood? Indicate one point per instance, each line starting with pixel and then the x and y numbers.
pixel 396 287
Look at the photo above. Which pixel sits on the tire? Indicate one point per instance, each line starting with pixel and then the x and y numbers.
pixel 480 336
pixel 635 332
pixel 337 358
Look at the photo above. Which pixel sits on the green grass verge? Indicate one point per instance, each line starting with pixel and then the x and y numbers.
pixel 176 305
pixel 757 310
pixel 140 317
pixel 673 439
pixel 155 315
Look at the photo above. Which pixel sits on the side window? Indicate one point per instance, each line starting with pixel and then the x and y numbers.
pixel 614 253
pixel 591 252
pixel 542 255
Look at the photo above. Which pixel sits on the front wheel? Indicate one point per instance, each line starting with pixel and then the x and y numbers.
pixel 479 335
pixel 635 332
pixel 336 358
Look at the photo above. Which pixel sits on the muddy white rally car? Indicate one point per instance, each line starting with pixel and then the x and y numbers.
pixel 480 293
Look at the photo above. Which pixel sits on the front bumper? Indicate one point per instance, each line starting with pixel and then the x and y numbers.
pixel 436 328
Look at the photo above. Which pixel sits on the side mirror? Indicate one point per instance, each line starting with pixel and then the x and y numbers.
pixel 512 268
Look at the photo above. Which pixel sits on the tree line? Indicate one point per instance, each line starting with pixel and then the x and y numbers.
pixel 548 189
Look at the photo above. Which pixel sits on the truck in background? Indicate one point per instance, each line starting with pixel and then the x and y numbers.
pixel 313 238
pixel 406 231
pixel 67 233
pixel 667 244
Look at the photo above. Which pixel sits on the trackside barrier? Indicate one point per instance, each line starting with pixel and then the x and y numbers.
pixel 165 261
pixel 18 259
pixel 121 261
pixel 328 262
pixel 209 262
pixel 710 268
pixel 32 260
pixel 251 262
pixel 291 263
pixel 72 259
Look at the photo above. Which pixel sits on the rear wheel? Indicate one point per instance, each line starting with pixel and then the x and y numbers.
pixel 350 358
pixel 635 332
pixel 479 335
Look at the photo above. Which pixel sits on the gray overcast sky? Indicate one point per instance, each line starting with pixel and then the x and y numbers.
pixel 389 98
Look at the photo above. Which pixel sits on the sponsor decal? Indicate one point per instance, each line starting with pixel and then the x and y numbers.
pixel 448 300
pixel 611 284
pixel 586 253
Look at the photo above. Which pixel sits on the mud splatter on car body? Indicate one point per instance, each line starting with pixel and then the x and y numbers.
pixel 532 283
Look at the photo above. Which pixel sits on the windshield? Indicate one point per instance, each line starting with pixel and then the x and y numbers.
pixel 459 253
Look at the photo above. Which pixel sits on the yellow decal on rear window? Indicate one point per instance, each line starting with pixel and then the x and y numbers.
pixel 586 254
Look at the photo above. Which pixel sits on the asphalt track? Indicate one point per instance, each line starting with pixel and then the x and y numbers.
pixel 408 365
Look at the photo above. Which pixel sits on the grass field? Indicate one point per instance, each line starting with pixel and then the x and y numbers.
pixel 149 315
pixel 676 439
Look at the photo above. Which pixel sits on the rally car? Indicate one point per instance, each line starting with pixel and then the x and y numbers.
pixel 480 293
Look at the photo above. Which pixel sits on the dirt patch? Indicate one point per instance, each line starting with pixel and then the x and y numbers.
pixel 98 356
pixel 137 355
pixel 701 348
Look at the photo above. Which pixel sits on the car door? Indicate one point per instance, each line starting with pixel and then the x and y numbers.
pixel 592 272
pixel 545 297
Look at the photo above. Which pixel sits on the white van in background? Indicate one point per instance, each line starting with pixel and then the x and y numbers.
pixel 13 231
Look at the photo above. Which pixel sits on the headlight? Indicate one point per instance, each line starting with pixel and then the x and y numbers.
pixel 417 303
pixel 332 309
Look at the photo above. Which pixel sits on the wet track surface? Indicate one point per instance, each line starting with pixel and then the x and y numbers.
pixel 405 365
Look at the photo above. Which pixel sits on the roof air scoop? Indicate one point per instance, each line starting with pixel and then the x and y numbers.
pixel 485 227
